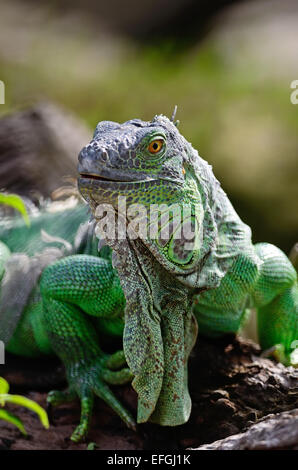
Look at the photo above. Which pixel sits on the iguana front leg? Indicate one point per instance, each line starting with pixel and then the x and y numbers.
pixel 276 298
pixel 267 282
pixel 70 288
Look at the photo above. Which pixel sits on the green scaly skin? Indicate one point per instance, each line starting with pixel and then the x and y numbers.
pixel 168 289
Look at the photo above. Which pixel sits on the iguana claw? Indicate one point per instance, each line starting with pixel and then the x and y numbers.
pixel 89 379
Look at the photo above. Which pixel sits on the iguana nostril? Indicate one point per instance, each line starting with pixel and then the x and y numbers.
pixel 91 153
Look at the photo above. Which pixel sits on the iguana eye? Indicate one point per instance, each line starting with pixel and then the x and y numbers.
pixel 155 146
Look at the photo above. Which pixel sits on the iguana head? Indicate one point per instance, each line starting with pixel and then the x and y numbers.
pixel 148 163
pixel 142 161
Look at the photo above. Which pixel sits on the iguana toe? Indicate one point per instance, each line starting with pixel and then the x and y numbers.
pixel 116 360
pixel 58 397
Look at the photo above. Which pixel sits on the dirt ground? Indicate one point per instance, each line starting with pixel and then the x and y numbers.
pixel 230 385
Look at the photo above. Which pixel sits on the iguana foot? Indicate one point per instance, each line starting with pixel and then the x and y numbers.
pixel 279 354
pixel 89 379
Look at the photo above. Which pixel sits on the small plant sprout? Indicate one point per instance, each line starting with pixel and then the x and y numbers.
pixel 5 397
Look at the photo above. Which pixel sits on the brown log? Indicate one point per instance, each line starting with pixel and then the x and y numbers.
pixel 274 432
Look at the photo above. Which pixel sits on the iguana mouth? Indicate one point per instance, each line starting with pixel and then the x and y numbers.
pixel 95 177
pixel 114 178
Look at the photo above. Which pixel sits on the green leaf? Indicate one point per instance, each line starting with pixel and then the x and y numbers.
pixel 13 200
pixel 4 385
pixel 4 388
pixel 30 404
pixel 11 418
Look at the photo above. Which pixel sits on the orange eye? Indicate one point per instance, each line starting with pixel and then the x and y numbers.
pixel 155 146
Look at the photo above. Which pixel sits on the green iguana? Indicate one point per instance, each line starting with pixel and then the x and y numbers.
pixel 155 290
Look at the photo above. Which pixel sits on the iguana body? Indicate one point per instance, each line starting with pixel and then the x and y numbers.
pixel 162 289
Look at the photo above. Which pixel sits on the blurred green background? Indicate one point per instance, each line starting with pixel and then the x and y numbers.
pixel 228 68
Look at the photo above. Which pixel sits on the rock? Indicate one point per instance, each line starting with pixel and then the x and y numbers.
pixel 274 432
